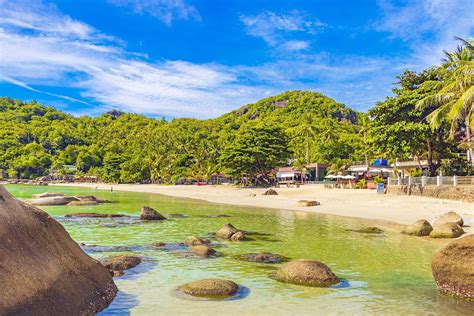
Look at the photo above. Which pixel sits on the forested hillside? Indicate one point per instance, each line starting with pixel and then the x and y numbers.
pixel 37 139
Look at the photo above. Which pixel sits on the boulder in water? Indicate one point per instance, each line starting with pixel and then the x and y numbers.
pixel 195 241
pixel 202 251
pixel 306 203
pixel 308 273
pixel 226 231
pixel 419 228
pixel 447 230
pixel 120 263
pixel 210 288
pixel 270 192
pixel 453 268
pixel 149 214
pixel 44 271
pixel 46 194
pixel 450 217
pixel 52 200
pixel 367 230
pixel 238 236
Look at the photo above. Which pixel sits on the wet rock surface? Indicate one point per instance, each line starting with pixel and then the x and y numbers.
pixel 453 268
pixel 94 215
pixel 447 230
pixel 263 257
pixel 450 217
pixel 308 273
pixel 229 232
pixel 120 263
pixel 367 230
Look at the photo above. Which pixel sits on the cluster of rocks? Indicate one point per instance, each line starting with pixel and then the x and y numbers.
pixel 448 225
pixel 53 198
pixel 229 232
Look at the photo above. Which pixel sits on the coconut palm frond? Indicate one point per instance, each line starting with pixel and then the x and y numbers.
pixel 437 117
pixel 462 105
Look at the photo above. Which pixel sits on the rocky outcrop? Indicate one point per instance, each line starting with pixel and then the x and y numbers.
pixel 263 257
pixel 46 194
pixel 306 203
pixel 270 192
pixel 210 288
pixel 52 200
pixel 98 215
pixel 448 230
pixel 149 214
pixel 195 241
pixel 418 228
pixel 228 231
pixel 450 217
pixel 44 271
pixel 82 203
pixel 453 268
pixel 116 265
pixel 308 273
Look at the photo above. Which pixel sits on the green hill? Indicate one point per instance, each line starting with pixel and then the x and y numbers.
pixel 116 146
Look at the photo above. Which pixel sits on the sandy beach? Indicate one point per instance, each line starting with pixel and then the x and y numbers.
pixel 364 204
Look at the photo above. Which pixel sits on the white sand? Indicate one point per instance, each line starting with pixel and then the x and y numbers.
pixel 365 204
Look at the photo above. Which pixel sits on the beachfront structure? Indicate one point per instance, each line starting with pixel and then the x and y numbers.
pixel 317 171
pixel 363 170
pixel 290 175
pixel 406 166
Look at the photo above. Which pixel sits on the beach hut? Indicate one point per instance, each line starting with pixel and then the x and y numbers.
pixel 290 176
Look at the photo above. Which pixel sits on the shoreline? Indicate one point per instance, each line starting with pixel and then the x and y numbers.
pixel 357 204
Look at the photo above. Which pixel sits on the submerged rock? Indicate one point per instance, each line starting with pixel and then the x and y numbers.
pixel 44 271
pixel 149 214
pixel 82 203
pixel 263 257
pixel 419 228
pixel 210 288
pixel 367 230
pixel 120 263
pixel 450 217
pixel 238 236
pixel 453 268
pixel 306 203
pixel 447 230
pixel 308 273
pixel 270 192
pixel 175 215
pixel 195 241
pixel 97 215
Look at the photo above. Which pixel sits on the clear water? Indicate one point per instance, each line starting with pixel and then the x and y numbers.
pixel 383 274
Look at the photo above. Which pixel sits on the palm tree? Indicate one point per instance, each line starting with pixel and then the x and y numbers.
pixel 307 131
pixel 454 97
pixel 363 130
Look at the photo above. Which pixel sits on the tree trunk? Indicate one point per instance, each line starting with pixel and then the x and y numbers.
pixel 468 138
pixel 430 159
pixel 307 150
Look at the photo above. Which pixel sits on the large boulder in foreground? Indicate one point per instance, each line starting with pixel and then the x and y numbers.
pixel 448 230
pixel 149 214
pixel 210 288
pixel 42 270
pixel 308 273
pixel 453 268
pixel 450 217
pixel 419 228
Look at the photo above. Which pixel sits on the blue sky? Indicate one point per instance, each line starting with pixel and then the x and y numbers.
pixel 202 58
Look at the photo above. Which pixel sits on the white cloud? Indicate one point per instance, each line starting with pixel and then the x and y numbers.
pixel 274 28
pixel 165 10
pixel 428 26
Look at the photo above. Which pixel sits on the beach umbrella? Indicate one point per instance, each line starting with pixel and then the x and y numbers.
pixel 330 176
pixel 349 177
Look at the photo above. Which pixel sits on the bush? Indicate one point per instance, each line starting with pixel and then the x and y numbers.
pixel 362 184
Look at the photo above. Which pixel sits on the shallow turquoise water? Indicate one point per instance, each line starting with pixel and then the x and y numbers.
pixel 388 273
